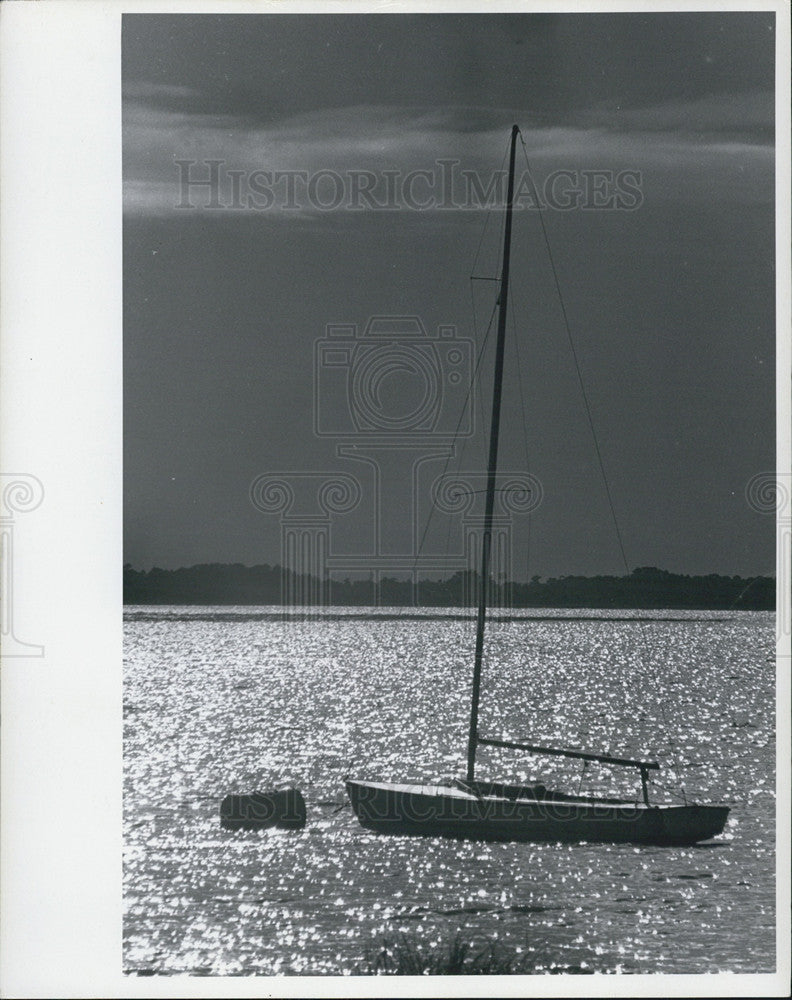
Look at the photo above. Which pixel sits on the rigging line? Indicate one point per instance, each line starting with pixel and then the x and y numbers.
pixel 674 762
pixel 464 440
pixel 575 359
pixel 482 438
pixel 516 340
pixel 490 210
pixel 666 788
pixel 498 268
pixel 583 391
pixel 748 586
pixel 480 395
pixel 473 310
pixel 456 431
pixel 474 379
pixel 520 380
pixel 501 234
pixel 477 373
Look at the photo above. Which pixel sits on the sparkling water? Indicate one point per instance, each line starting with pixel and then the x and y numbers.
pixel 221 700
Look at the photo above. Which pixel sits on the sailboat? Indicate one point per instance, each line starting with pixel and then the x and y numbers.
pixel 485 810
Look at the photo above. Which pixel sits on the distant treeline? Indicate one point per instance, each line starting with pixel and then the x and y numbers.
pixel 646 587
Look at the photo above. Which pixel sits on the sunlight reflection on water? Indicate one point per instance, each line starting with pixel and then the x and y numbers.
pixel 222 700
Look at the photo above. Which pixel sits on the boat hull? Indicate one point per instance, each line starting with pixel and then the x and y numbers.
pixel 437 810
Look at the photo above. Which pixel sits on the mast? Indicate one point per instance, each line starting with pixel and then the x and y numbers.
pixel 492 464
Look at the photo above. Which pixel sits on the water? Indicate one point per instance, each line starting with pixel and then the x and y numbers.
pixel 238 699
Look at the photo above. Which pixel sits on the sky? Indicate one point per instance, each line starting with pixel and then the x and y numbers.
pixel 353 156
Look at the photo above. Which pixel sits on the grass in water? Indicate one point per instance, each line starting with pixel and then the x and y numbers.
pixel 407 955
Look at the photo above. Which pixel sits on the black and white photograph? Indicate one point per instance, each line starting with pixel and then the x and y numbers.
pixel 453 508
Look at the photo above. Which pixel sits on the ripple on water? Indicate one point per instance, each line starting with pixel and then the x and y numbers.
pixel 226 701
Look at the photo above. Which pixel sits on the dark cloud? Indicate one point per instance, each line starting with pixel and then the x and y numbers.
pixel 672 305
pixel 268 66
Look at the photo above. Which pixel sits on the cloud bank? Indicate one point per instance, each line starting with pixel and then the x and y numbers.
pixel 706 149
